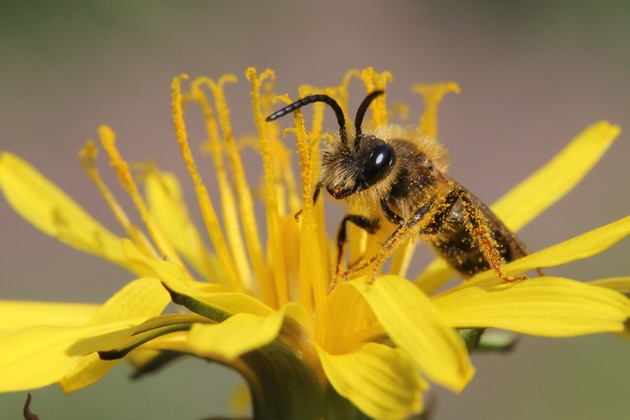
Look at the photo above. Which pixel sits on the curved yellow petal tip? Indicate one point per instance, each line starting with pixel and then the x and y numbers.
pixel 52 211
pixel 379 380
pixel 545 306
pixel 415 324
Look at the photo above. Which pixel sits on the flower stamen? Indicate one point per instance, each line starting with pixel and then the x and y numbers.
pixel 377 81
pixel 108 141
pixel 228 200
pixel 246 203
pixel 87 158
pixel 205 204
pixel 312 278
pixel 433 95
pixel 276 285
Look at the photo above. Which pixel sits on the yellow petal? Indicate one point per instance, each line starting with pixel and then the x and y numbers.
pixel 207 303
pixel 161 269
pixel 237 335
pixel 125 340
pixel 559 176
pixel 579 247
pixel 182 288
pixel 415 324
pixel 434 276
pixel 52 211
pixel 40 356
pixel 619 284
pixel 54 350
pixel 169 210
pixel 16 315
pixel 379 380
pixel 176 341
pixel 88 370
pixel 347 330
pixel 142 297
pixel 546 306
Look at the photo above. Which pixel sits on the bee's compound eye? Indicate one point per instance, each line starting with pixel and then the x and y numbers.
pixel 377 166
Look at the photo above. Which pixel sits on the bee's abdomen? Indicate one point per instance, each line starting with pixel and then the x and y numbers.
pixel 461 251
pixel 451 234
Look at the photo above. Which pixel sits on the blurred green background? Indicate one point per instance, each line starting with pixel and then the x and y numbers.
pixel 533 74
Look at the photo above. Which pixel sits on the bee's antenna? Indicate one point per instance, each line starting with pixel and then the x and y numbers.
pixel 341 120
pixel 361 113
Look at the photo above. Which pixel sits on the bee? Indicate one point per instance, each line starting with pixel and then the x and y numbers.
pixel 398 176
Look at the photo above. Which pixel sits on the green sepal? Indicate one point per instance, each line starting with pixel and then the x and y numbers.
pixel 161 360
pixel 482 340
pixel 150 330
pixel 498 341
pixel 197 306
pixel 340 408
pixel 282 384
pixel 471 337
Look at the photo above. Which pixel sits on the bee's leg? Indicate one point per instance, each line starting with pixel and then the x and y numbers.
pixel 525 251
pixel 298 213
pixel 369 225
pixel 401 233
pixel 487 245
pixel 390 214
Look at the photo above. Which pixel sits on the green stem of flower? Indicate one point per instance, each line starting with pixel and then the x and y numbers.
pixel 284 386
pixel 471 337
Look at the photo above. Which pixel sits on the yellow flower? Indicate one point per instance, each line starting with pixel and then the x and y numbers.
pixel 261 306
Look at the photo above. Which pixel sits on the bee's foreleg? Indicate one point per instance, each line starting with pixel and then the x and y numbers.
pixel 390 214
pixel 298 213
pixel 369 225
pixel 393 241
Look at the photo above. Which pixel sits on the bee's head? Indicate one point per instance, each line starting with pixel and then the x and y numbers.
pixel 349 168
